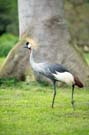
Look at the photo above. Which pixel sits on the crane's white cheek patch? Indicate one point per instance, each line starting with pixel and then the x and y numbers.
pixel 29 46
pixel 64 77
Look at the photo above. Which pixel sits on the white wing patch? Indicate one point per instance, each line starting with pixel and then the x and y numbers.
pixel 64 77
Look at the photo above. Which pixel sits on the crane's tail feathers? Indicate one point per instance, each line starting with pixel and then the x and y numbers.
pixel 78 82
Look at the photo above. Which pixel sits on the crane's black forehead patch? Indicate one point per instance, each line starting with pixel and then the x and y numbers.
pixel 27 43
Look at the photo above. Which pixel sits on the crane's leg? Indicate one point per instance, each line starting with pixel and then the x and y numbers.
pixel 54 94
pixel 72 101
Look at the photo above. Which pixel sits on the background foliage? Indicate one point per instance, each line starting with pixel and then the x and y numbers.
pixel 8 16
pixel 8 25
pixel 7 41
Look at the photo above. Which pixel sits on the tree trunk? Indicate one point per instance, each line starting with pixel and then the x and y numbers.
pixel 43 20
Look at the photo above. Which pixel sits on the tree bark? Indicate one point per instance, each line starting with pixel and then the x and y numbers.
pixel 43 21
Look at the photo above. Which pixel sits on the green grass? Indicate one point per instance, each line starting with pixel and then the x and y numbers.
pixel 86 55
pixel 2 60
pixel 7 41
pixel 26 110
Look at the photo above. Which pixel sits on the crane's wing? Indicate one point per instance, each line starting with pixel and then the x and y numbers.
pixel 49 69
pixel 57 68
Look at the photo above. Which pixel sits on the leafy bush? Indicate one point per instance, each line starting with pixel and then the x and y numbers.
pixel 8 16
pixel 8 81
pixel 7 41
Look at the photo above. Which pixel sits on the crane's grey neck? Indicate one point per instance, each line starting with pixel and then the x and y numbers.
pixel 32 62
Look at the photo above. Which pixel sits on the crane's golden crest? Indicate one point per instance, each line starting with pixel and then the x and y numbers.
pixel 32 42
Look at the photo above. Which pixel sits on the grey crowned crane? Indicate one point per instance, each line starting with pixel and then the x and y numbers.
pixel 55 72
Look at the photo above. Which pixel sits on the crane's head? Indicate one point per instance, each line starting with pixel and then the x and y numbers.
pixel 28 45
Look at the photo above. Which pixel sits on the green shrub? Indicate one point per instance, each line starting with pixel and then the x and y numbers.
pixel 7 41
pixel 8 81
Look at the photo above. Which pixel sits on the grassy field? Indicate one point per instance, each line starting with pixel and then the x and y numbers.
pixel 86 56
pixel 1 60
pixel 25 109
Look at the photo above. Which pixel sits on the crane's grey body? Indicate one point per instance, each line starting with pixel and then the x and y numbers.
pixel 55 72
pixel 48 70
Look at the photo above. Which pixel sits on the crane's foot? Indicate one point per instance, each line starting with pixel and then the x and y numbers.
pixel 73 105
